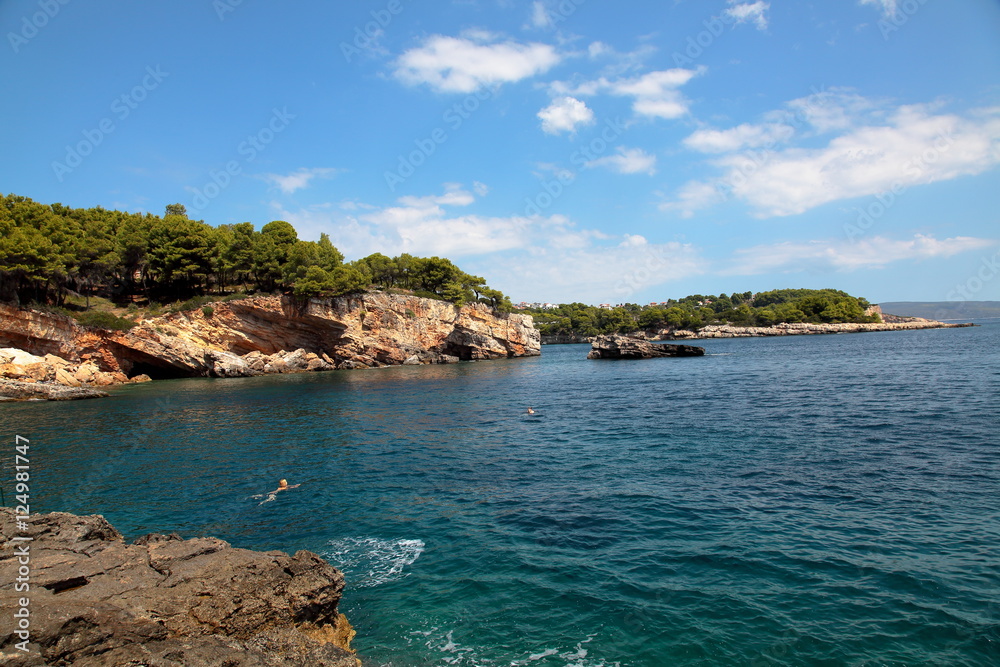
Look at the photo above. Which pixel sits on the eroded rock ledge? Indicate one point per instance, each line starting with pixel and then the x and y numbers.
pixel 259 335
pixel 163 601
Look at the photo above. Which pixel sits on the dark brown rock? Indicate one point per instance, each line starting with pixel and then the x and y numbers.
pixel 623 347
pixel 162 600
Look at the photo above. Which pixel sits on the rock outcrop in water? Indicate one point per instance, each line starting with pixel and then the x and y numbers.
pixel 12 390
pixel 259 335
pixel 624 347
pixel 95 601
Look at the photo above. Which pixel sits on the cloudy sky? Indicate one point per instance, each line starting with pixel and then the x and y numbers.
pixel 566 150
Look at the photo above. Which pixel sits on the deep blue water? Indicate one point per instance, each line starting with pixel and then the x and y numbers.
pixel 827 500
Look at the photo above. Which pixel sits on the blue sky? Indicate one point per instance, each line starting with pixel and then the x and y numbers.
pixel 573 150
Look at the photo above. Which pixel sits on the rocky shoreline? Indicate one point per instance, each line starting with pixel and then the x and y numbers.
pixel 254 336
pixel 784 329
pixel 805 329
pixel 93 600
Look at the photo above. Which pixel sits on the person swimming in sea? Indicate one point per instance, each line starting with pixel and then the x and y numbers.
pixel 530 411
pixel 283 484
pixel 271 495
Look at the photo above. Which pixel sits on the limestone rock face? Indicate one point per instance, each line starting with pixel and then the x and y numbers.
pixel 95 600
pixel 263 334
pixel 623 347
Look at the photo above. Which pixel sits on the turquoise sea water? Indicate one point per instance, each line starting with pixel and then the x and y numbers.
pixel 827 500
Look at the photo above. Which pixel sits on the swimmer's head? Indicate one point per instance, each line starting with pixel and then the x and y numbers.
pixel 283 484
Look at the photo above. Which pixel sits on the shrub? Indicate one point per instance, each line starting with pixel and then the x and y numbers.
pixel 208 311
pixel 104 320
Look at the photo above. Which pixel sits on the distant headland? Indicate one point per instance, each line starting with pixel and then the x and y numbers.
pixel 784 312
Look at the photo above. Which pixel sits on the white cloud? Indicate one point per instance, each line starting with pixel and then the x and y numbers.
pixel 889 7
pixel 627 161
pixel 298 179
pixel 565 115
pixel 598 49
pixel 832 109
pixel 694 196
pixel 528 257
pixel 655 94
pixel 837 255
pixel 539 15
pixel 463 65
pixel 739 137
pixel 886 149
pixel 595 272
pixel 481 189
pixel 750 12
pixel 915 148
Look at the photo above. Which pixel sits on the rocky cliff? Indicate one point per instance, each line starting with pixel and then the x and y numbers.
pixel 257 335
pixel 93 600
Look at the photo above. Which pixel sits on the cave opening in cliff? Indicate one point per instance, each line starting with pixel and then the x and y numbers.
pixel 157 372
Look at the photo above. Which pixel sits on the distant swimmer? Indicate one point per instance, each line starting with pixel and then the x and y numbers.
pixel 530 411
pixel 271 495
pixel 283 484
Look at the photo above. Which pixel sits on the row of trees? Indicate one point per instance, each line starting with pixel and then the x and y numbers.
pixel 696 311
pixel 48 251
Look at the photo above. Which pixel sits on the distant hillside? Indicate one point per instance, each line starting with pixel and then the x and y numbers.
pixel 943 310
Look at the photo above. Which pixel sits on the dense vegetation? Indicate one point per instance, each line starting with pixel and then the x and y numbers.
pixel 48 253
pixel 696 311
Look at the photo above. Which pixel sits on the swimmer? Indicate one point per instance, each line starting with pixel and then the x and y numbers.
pixel 530 411
pixel 272 495
pixel 283 485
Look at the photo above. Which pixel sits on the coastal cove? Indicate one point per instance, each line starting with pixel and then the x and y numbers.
pixel 787 500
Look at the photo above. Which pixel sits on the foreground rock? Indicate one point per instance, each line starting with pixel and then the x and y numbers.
pixel 97 601
pixel 259 335
pixel 623 347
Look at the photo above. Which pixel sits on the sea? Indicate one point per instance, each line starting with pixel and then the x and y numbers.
pixel 814 500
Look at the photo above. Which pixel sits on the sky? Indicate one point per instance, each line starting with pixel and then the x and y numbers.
pixel 565 150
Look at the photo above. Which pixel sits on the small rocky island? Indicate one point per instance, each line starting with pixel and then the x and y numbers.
pixel 624 347
pixel 94 600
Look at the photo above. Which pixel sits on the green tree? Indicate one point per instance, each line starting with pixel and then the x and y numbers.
pixel 327 254
pixel 181 252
